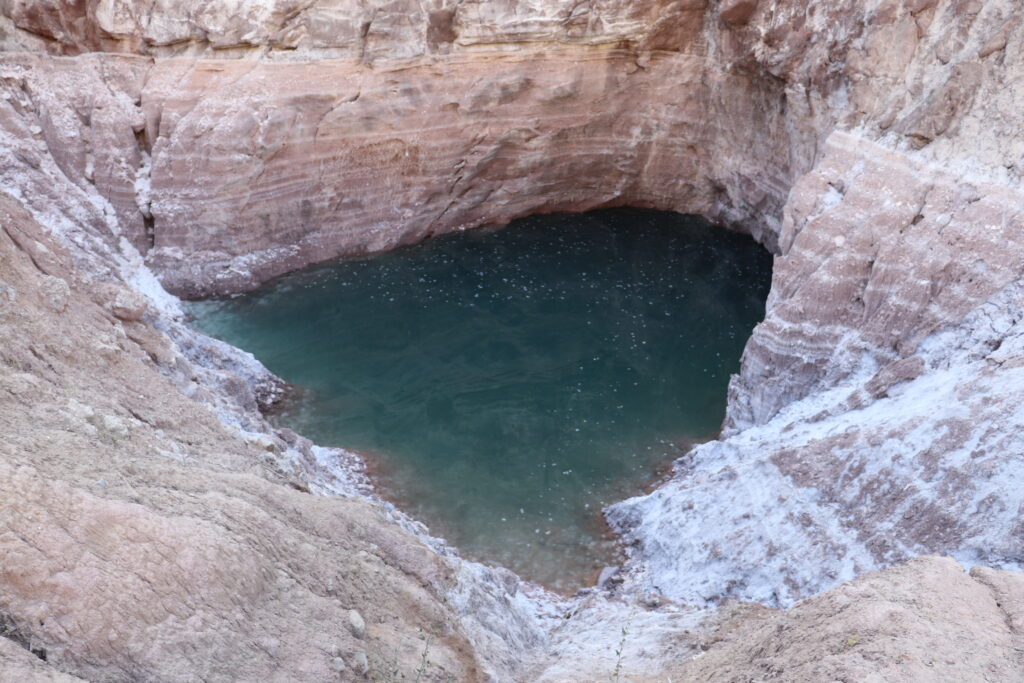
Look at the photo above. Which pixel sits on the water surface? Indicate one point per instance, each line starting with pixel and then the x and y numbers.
pixel 508 384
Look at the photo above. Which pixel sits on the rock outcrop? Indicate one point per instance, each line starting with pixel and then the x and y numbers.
pixel 924 621
pixel 143 538
pixel 153 524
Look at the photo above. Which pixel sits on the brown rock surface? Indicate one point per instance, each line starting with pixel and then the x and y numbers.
pixel 737 11
pixel 453 143
pixel 158 526
pixel 300 150
pixel 143 539
pixel 927 620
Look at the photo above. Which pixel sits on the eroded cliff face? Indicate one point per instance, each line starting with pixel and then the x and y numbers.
pixel 523 109
pixel 875 147
pixel 875 416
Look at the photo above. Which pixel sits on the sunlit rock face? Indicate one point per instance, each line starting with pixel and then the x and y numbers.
pixel 875 147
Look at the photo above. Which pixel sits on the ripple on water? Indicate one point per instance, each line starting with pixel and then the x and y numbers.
pixel 507 384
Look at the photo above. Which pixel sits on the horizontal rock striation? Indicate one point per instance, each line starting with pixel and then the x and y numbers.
pixel 459 142
pixel 875 147
pixel 298 154
pixel 875 244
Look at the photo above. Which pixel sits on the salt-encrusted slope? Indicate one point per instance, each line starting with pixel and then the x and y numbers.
pixel 920 455
pixel 877 411
pixel 875 146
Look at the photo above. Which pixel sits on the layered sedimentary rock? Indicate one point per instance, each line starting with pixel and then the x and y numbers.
pixel 876 413
pixel 875 147
pixel 526 112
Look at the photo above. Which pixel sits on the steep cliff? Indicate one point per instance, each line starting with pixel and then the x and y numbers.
pixel 523 109
pixel 876 147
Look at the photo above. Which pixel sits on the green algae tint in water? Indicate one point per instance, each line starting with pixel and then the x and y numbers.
pixel 507 384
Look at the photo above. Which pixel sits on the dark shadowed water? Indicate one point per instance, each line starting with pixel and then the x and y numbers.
pixel 508 384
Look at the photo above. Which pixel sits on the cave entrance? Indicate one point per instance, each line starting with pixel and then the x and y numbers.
pixel 505 385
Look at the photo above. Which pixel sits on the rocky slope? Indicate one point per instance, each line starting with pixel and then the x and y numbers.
pixel 158 526
pixel 923 621
pixel 143 538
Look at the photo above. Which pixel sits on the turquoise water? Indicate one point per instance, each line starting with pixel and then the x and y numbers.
pixel 507 384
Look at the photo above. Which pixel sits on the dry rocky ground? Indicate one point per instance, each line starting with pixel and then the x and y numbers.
pixel 154 527
pixel 143 539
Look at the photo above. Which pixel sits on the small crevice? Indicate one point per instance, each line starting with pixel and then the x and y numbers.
pixel 150 227
pixel 364 36
pixel 9 630
pixel 142 141
pixel 142 189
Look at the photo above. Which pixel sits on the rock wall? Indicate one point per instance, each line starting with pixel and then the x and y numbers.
pixel 875 414
pixel 524 108
pixel 876 147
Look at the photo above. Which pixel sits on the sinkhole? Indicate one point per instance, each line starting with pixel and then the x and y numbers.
pixel 505 385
